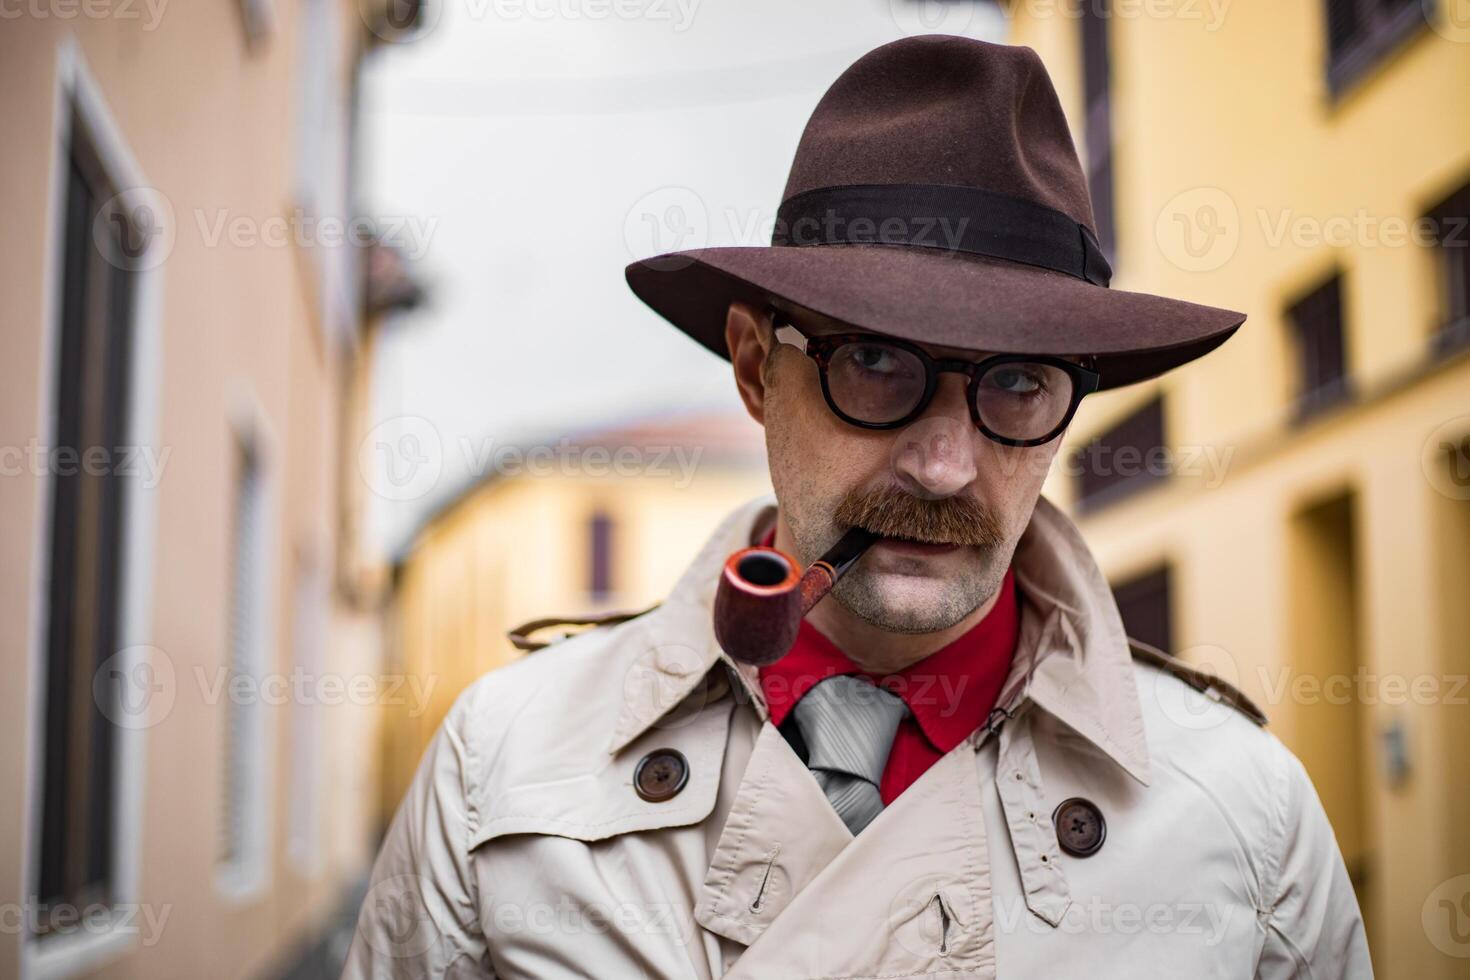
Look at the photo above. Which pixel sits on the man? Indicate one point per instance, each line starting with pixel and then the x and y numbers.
pixel 963 768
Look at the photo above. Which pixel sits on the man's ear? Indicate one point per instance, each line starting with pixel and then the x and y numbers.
pixel 748 338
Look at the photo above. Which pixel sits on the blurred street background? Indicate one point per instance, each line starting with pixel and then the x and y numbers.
pixel 320 374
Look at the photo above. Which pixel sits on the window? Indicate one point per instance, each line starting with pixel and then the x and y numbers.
pixel 1451 222
pixel 1098 126
pixel 1144 602
pixel 1317 328
pixel 85 553
pixel 599 538
pixel 99 688
pixel 1362 32
pixel 1124 459
pixel 244 810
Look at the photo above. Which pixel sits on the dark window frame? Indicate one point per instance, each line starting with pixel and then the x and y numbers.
pixel 1361 34
pixel 600 543
pixel 1318 323
pixel 1143 431
pixel 1146 604
pixel 1097 107
pixel 93 375
pixel 1451 217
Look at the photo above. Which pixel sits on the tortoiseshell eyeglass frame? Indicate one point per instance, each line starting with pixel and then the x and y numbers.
pixel 820 349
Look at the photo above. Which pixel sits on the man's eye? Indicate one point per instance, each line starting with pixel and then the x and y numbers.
pixel 1016 381
pixel 871 357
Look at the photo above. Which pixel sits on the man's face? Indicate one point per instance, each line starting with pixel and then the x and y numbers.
pixel 950 502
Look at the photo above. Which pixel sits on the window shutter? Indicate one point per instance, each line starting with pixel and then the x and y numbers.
pixel 1343 26
pixel 1360 33
pixel 1452 239
pixel 85 549
pixel 1098 125
pixel 1123 459
pixel 240 830
pixel 1144 603
pixel 1321 360
pixel 600 543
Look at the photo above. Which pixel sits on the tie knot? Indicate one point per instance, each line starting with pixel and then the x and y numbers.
pixel 848 725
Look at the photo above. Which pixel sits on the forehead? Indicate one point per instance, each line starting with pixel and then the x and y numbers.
pixel 815 324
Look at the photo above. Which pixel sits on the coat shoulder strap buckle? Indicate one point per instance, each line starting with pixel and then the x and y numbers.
pixel 522 637
pixel 1207 684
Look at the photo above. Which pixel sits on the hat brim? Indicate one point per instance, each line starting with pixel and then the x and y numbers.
pixel 937 296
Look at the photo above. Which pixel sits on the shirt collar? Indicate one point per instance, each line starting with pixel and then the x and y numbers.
pixel 950 692
pixel 1072 657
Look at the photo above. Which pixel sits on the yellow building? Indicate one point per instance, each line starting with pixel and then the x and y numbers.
pixel 191 650
pixel 578 525
pixel 1306 531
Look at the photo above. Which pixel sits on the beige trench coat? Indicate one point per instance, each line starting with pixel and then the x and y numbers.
pixel 523 850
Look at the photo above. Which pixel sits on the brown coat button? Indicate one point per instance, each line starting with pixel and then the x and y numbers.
pixel 1081 828
pixel 660 775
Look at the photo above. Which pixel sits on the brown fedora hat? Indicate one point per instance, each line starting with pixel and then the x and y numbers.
pixel 936 196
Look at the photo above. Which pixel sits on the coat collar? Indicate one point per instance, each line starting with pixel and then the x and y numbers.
pixel 1072 659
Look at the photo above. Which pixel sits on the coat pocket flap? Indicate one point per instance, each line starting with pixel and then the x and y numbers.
pixel 596 805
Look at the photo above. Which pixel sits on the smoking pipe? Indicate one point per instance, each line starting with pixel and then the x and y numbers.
pixel 763 597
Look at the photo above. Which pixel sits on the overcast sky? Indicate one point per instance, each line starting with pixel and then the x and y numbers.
pixel 528 150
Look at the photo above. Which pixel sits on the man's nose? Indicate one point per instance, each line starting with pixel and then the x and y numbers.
pixel 934 456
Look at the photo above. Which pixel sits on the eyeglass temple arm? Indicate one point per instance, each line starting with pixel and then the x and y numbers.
pixel 790 335
pixel 784 331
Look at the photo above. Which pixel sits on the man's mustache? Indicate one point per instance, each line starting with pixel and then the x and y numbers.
pixel 896 514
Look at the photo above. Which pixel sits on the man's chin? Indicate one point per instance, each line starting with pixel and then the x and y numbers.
pixel 906 602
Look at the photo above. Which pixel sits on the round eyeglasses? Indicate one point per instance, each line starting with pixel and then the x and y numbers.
pixel 879 382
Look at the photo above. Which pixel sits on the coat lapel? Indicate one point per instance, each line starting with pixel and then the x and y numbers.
pixel 780 832
pixel 908 896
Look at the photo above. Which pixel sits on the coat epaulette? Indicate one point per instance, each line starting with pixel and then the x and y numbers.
pixel 521 636
pixel 1207 684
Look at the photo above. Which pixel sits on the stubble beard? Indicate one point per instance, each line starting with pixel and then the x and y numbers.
pixel 871 597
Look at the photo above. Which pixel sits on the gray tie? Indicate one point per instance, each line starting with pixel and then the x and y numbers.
pixel 848 725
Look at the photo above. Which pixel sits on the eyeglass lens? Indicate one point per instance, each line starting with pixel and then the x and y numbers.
pixel 880 383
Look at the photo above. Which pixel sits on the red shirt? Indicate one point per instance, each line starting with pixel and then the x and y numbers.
pixel 950 692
